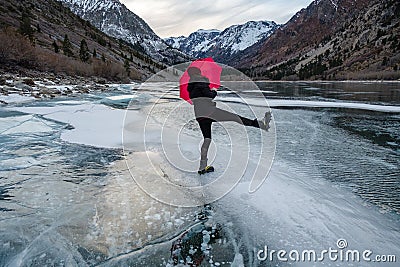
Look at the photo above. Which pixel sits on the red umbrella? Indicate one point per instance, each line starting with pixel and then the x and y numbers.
pixel 208 68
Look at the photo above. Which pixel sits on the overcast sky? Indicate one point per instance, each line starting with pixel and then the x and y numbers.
pixel 182 17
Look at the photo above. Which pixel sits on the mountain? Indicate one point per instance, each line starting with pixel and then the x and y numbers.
pixel 330 39
pixel 44 36
pixel 223 46
pixel 115 19
pixel 195 44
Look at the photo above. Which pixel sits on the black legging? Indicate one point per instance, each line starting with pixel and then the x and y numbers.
pixel 222 115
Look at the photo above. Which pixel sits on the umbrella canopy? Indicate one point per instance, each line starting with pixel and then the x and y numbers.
pixel 209 69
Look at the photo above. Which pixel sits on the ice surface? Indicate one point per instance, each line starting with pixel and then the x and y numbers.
pixel 292 209
pixel 94 124
pixel 303 213
pixel 18 163
pixel 15 98
pixel 109 221
pixel 238 261
pixel 24 124
pixel 311 104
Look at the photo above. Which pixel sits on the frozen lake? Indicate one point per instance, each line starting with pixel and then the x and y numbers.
pixel 69 192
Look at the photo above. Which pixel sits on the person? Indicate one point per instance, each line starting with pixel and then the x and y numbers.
pixel 206 112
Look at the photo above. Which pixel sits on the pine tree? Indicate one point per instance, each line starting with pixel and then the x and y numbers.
pixel 94 53
pixel 385 61
pixel 25 27
pixel 127 66
pixel 67 47
pixel 103 58
pixel 56 47
pixel 84 54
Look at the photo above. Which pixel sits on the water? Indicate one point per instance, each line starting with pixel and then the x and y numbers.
pixel 370 92
pixel 357 149
pixel 65 201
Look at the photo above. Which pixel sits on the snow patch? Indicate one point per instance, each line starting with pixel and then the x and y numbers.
pixel 15 98
pixel 94 124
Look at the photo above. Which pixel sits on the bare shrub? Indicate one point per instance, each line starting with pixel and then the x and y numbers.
pixel 109 70
pixel 16 49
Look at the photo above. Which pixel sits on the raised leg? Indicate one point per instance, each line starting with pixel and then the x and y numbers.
pixel 223 115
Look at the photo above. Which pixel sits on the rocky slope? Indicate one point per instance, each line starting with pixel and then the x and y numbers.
pixel 223 46
pixel 115 19
pixel 33 40
pixel 331 39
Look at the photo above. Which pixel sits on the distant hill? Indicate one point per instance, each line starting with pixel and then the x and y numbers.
pixel 331 39
pixel 223 46
pixel 44 35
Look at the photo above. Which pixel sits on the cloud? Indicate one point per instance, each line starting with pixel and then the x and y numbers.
pixel 177 17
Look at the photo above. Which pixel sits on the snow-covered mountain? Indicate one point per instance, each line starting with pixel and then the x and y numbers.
pixel 330 39
pixel 115 19
pixel 197 42
pixel 225 44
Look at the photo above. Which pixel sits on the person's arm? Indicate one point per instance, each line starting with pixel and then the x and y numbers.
pixel 205 90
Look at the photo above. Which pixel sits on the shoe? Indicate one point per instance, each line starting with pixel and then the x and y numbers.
pixel 264 123
pixel 206 170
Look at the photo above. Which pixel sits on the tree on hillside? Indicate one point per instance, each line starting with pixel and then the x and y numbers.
pixel 56 47
pixel 67 47
pixel 94 53
pixel 84 53
pixel 127 66
pixel 25 27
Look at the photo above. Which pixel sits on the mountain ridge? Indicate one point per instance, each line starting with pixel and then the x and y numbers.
pixel 222 45
pixel 115 19
pixel 330 39
pixel 46 36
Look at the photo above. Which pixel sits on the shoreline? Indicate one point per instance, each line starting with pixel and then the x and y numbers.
pixel 45 85
pixel 49 85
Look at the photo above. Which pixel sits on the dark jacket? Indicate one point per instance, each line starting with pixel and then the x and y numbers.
pixel 200 87
pixel 201 96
